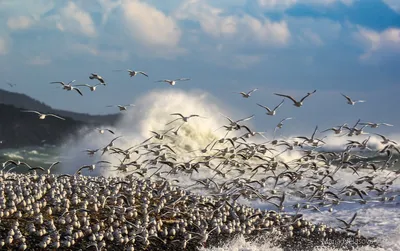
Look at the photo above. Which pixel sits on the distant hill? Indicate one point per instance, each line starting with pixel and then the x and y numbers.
pixel 20 129
pixel 25 102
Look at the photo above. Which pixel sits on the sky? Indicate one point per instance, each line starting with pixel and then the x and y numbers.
pixel 286 46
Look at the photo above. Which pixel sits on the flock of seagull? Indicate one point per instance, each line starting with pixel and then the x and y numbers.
pixel 146 207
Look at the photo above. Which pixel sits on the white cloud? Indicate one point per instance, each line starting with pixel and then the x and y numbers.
pixel 245 28
pixel 19 22
pixel 3 46
pixel 74 19
pixel 284 4
pixel 393 4
pixel 379 42
pixel 151 28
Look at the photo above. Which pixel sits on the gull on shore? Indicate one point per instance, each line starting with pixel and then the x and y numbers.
pixel 247 94
pixel 98 77
pixel 295 102
pixel 350 101
pixel 272 112
pixel 43 115
pixel 121 107
pixel 173 82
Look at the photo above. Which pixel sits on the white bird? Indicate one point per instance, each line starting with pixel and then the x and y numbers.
pixel 121 107
pixel 352 102
pixel 102 130
pixel 280 124
pixel 43 115
pixel 295 102
pixel 98 77
pixel 173 82
pixel 272 112
pixel 68 86
pixel 374 125
pixel 337 130
pixel 247 94
pixel 133 73
pixel 385 140
pixel 91 87
pixel 184 118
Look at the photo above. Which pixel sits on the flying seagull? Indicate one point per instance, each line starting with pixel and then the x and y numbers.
pixel 295 102
pixel 184 118
pixel 121 107
pixel 68 86
pixel 173 82
pixel 43 115
pixel 98 77
pixel 352 102
pixel 247 94
pixel 91 87
pixel 133 73
pixel 272 112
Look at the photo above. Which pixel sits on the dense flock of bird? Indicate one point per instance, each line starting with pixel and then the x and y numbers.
pixel 146 208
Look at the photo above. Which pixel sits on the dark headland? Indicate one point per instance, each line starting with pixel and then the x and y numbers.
pixel 20 129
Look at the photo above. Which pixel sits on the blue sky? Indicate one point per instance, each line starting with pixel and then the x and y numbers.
pixel 291 46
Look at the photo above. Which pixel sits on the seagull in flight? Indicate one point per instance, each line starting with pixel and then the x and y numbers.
pixel 280 124
pixel 121 107
pixel 68 86
pixel 352 102
pixel 11 84
pixel 91 87
pixel 374 125
pixel 133 73
pixel 43 115
pixel 247 94
pixel 98 77
pixel 103 130
pixel 272 112
pixel 295 102
pixel 173 82
pixel 184 118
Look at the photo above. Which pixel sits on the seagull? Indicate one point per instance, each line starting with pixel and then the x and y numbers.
pixel 348 224
pixel 102 130
pixel 173 82
pixel 385 140
pixel 11 84
pixel 352 102
pixel 374 125
pixel 43 115
pixel 272 112
pixel 91 87
pixel 247 94
pixel 98 77
pixel 337 130
pixel 280 124
pixel 121 107
pixel 185 119
pixel 295 102
pixel 133 73
pixel 68 86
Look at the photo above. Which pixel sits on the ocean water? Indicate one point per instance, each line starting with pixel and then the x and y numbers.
pixel 376 218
